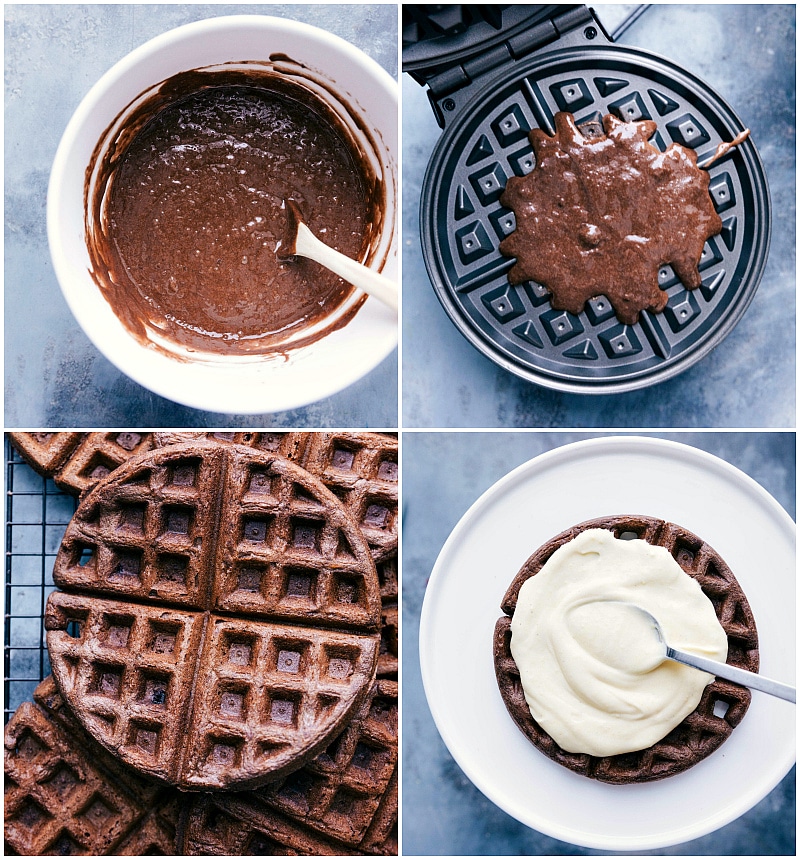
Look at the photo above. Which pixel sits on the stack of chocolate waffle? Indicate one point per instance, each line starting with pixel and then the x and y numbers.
pixel 221 626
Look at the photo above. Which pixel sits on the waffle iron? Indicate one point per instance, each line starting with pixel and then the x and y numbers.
pixel 493 73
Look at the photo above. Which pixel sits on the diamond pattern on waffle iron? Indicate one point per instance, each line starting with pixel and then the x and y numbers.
pixel 361 470
pixel 723 704
pixel 495 146
pixel 341 791
pixel 249 533
pixel 65 794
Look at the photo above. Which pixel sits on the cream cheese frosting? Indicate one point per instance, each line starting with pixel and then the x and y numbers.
pixel 591 667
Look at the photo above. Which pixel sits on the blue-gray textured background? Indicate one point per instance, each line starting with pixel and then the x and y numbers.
pixel 54 377
pixel 747 54
pixel 443 812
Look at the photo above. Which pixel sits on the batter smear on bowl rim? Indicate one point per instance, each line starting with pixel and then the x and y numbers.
pixel 601 213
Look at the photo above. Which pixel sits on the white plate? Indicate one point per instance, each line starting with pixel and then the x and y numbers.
pixel 618 475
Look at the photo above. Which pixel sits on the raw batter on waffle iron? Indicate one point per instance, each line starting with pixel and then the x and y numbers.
pixel 221 614
pixel 703 730
pixel 600 216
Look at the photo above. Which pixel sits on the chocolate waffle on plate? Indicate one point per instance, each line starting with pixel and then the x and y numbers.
pixel 64 794
pixel 77 461
pixel 723 704
pixel 220 618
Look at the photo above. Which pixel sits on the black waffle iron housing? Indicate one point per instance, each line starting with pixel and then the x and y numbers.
pixel 494 73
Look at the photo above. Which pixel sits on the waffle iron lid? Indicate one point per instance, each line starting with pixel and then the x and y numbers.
pixel 436 36
pixel 487 104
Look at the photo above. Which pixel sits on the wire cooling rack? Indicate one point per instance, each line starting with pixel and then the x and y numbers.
pixel 37 514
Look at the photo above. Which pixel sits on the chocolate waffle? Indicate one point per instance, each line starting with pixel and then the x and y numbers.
pixel 288 444
pixel 77 461
pixel 64 794
pixel 388 655
pixel 359 468
pixel 343 802
pixel 387 574
pixel 723 704
pixel 340 792
pixel 220 617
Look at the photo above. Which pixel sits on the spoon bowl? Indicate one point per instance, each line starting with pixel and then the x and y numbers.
pixel 714 667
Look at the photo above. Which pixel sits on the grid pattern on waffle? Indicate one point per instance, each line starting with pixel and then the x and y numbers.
pixel 272 546
pixel 341 791
pixel 37 513
pixel 390 634
pixel 77 461
pixel 148 535
pixel 97 455
pixel 722 705
pixel 362 470
pixel 286 443
pixel 68 796
pixel 720 710
pixel 268 691
pixel 45 452
pixel 287 550
pixel 131 673
pixel 233 826
pixel 218 825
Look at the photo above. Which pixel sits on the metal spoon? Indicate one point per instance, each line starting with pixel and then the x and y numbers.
pixel 298 240
pixel 721 670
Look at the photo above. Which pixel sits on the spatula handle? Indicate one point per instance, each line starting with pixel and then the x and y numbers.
pixel 368 280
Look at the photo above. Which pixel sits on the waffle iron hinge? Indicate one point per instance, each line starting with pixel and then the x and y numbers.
pixel 452 88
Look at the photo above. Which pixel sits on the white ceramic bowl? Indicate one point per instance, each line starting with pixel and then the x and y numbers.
pixel 219 383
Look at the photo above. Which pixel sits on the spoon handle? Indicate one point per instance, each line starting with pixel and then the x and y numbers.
pixel 368 280
pixel 732 673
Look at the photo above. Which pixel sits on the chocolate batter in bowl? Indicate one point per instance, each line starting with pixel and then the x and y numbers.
pixel 182 213
pixel 186 210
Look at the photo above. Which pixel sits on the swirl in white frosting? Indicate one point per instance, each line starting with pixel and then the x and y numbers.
pixel 592 669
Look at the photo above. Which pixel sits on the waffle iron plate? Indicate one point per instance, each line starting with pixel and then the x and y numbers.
pixel 463 222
